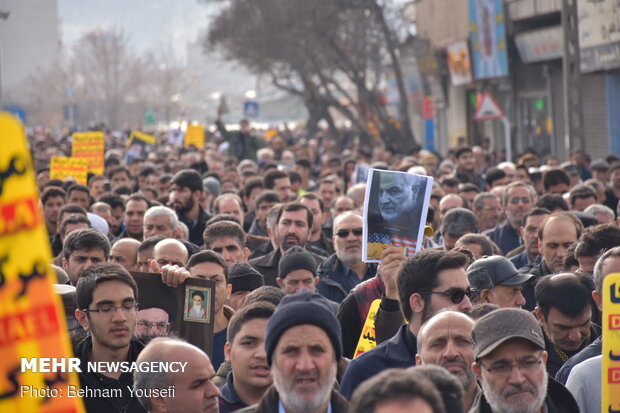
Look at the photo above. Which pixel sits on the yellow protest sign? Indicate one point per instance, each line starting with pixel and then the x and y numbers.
pixel 368 339
pixel 611 343
pixel 90 146
pixel 195 135
pixel 62 167
pixel 32 321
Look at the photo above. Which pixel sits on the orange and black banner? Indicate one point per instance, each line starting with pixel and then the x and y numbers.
pixel 32 321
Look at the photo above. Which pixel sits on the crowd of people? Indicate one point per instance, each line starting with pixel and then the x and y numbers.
pixel 498 312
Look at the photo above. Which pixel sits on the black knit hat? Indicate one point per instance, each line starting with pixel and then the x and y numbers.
pixel 301 308
pixel 296 258
pixel 243 277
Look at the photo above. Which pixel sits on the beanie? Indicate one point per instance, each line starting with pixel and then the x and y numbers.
pixel 296 258
pixel 243 277
pixel 301 308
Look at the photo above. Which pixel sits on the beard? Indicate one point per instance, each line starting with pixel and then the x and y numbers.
pixel 498 401
pixel 184 208
pixel 290 397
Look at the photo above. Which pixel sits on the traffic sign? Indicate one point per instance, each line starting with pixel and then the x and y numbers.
pixel 150 116
pixel 487 108
pixel 250 109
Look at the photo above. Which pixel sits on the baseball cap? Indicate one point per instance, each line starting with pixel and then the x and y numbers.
pixel 487 272
pixel 499 326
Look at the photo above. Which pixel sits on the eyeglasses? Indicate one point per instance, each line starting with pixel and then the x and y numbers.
pixel 525 365
pixel 525 200
pixel 147 325
pixel 456 295
pixel 492 209
pixel 343 233
pixel 109 309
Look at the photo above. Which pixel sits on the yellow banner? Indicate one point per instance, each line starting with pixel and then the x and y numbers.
pixel 150 139
pixel 195 135
pixel 62 167
pixel 90 146
pixel 32 321
pixel 368 338
pixel 610 401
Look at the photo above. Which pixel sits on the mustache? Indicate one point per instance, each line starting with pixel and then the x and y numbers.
pixel 514 389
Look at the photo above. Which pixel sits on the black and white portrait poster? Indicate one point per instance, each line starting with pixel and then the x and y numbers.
pixel 395 210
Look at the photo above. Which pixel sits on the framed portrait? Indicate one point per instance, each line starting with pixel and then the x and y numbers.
pixel 158 300
pixel 197 304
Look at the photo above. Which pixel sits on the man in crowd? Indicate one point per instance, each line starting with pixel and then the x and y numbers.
pixel 52 200
pixel 264 202
pixel 345 268
pixel 83 248
pixel 397 391
pixel 133 217
pixel 106 307
pixel 170 251
pixel 194 390
pixel 303 346
pixel 428 282
pixel 160 220
pixel 519 198
pixel 119 177
pixel 564 310
pixel 227 239
pixel 280 183
pixel 456 223
pixel 243 279
pixel 556 234
pixel 79 195
pixel 445 340
pixel 607 264
pixel 496 281
pixel 487 209
pixel 510 362
pixel 185 194
pixel 250 375
pixel 317 237
pixel 229 204
pixel 293 225
pixel 466 167
pixel 527 254
pixel 125 253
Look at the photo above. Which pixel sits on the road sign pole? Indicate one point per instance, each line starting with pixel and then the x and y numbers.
pixel 507 139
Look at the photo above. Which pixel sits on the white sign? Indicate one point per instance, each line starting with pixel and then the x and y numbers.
pixel 488 108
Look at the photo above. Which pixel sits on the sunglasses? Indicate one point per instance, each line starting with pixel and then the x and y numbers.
pixel 343 233
pixel 456 295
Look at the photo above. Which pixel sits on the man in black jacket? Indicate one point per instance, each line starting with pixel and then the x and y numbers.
pixel 107 307
pixel 185 194
pixel 292 229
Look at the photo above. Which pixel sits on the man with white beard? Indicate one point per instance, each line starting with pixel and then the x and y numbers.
pixel 303 345
pixel 510 362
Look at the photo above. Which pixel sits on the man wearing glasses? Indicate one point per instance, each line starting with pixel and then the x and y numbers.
pixel 152 322
pixel 429 281
pixel 344 269
pixel 519 198
pixel 510 364
pixel 107 307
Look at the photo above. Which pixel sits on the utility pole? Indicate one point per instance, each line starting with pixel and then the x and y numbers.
pixel 571 71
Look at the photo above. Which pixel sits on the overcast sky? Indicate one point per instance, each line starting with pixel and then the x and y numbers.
pixel 149 24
